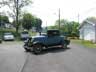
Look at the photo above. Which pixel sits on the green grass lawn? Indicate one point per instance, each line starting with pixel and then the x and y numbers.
pixel 85 43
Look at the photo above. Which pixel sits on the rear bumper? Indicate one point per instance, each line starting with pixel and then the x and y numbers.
pixel 8 39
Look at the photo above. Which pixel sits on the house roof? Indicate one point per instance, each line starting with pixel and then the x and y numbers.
pixel 92 20
pixel 89 20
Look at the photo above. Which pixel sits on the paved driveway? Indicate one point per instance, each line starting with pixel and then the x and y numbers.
pixel 76 58
pixel 12 57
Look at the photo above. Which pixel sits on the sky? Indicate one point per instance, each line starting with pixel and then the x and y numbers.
pixel 47 10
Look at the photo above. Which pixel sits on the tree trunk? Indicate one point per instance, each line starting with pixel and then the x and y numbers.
pixel 17 26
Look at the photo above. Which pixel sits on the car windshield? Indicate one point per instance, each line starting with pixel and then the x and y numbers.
pixel 7 33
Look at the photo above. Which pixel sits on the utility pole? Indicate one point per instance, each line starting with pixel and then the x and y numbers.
pixel 46 26
pixel 78 17
pixel 0 20
pixel 59 18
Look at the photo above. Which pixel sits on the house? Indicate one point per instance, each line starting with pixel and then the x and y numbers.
pixel 6 25
pixel 88 30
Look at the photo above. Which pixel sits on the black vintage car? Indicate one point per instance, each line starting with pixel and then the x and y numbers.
pixel 52 38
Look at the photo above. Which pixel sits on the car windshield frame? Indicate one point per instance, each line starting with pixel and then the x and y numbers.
pixel 24 32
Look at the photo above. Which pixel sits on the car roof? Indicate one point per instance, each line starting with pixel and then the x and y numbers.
pixel 7 33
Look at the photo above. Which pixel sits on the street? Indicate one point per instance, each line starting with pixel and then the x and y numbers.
pixel 75 58
pixel 12 57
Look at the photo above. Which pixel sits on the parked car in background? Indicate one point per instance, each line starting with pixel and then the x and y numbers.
pixel 24 35
pixel 0 39
pixel 53 38
pixel 8 36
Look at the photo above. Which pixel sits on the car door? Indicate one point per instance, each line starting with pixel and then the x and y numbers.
pixel 53 40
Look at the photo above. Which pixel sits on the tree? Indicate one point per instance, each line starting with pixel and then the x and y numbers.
pixel 69 28
pixel 19 22
pixel 15 7
pixel 4 19
pixel 38 23
pixel 28 21
pixel 75 31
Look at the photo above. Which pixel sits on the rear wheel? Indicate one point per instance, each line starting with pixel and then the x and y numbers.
pixel 37 48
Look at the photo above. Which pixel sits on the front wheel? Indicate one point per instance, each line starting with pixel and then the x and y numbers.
pixel 26 48
pixel 64 46
pixel 37 48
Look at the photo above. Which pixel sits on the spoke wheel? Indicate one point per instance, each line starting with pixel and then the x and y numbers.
pixel 27 50
pixel 37 48
pixel 64 46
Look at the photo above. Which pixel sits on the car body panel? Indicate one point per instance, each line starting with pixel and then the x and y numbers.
pixel 24 35
pixel 8 36
pixel 46 40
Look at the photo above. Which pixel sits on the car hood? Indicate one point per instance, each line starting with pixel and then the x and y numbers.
pixel 38 37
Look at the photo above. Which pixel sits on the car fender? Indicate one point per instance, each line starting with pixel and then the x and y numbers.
pixel 37 42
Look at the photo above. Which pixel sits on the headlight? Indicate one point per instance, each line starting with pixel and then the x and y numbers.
pixel 26 41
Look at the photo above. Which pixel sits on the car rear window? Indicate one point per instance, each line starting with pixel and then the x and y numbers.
pixel 24 32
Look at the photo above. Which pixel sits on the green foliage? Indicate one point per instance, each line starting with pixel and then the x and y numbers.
pixel 69 28
pixel 27 21
pixel 4 19
pixel 85 43
pixel 38 23
pixel 53 27
pixel 16 9
pixel 19 22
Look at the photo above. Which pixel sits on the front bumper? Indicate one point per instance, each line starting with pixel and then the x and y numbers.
pixel 26 47
pixel 29 48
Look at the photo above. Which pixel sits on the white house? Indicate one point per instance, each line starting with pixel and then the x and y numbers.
pixel 88 30
pixel 6 25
